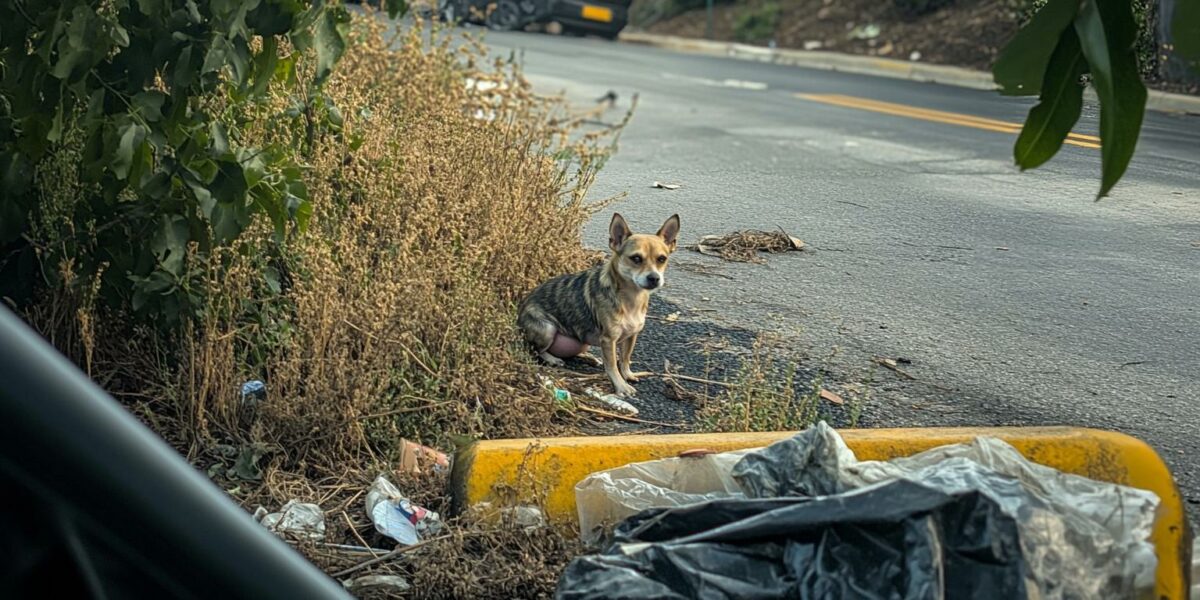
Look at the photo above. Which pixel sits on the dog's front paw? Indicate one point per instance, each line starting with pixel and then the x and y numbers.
pixel 624 389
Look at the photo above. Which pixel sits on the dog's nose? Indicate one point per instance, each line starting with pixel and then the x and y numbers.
pixel 653 280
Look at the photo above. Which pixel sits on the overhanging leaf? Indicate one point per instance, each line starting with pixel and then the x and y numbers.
pixel 1020 67
pixel 1106 33
pixel 1058 109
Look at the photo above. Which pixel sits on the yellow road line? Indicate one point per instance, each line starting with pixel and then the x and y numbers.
pixel 937 116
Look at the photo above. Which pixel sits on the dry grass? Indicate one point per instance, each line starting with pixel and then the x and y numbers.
pixel 745 246
pixel 445 191
pixel 768 393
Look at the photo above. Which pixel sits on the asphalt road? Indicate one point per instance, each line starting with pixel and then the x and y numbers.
pixel 1018 299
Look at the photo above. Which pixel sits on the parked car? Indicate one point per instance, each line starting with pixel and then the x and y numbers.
pixel 605 18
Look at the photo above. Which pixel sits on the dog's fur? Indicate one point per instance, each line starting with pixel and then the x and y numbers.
pixel 604 306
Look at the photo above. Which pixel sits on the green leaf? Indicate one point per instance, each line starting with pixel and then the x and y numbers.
pixel 395 8
pixel 158 282
pixel 271 275
pixel 220 139
pixel 132 135
pixel 81 48
pixel 1019 68
pixel 204 197
pixel 246 466
pixel 16 173
pixel 157 186
pixel 184 73
pixel 151 8
pixel 119 36
pixel 303 215
pixel 1107 33
pixel 56 125
pixel 264 65
pixel 228 220
pixel 1185 30
pixel 239 60
pixel 149 105
pixel 273 17
pixel 170 243
pixel 330 40
pixel 139 299
pixel 1058 109
pixel 218 54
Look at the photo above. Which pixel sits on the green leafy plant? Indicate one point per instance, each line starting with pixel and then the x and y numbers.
pixel 1050 56
pixel 756 23
pixel 140 93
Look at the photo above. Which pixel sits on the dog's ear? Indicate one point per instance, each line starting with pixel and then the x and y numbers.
pixel 669 231
pixel 618 232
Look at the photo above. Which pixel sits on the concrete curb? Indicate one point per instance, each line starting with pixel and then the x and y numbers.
pixel 871 65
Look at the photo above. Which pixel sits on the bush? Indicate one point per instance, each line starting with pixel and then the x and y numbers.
pixel 116 152
pixel 442 190
pixel 757 23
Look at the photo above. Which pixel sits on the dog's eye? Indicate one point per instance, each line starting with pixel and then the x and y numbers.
pixel 637 260
pixel 662 259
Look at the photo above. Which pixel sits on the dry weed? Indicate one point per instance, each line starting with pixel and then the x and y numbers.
pixel 763 396
pixel 744 246
pixel 443 190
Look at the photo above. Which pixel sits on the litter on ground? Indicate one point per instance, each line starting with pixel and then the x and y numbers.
pixel 296 520
pixel 804 518
pixel 744 246
pixel 396 516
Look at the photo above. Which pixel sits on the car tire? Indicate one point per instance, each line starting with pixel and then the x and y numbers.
pixel 507 16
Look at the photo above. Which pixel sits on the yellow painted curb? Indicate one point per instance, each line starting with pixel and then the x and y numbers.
pixel 510 471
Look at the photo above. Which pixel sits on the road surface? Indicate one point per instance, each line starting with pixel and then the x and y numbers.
pixel 1018 299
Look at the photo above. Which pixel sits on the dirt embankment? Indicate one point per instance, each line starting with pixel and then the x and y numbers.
pixel 966 33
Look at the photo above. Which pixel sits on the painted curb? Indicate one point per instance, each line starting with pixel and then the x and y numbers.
pixel 546 471
pixel 871 65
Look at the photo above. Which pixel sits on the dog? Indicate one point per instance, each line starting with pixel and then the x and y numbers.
pixel 603 306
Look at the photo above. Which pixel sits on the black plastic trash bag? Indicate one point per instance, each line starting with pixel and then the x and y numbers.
pixel 804 518
pixel 897 540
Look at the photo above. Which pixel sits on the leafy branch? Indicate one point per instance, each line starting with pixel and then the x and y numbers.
pixel 1051 55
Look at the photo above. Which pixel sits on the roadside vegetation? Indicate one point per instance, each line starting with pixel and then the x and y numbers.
pixel 344 210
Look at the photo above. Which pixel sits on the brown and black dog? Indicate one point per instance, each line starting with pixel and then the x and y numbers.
pixel 604 306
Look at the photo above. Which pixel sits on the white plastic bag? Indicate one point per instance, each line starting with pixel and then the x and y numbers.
pixel 396 516
pixel 295 519
pixel 608 497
